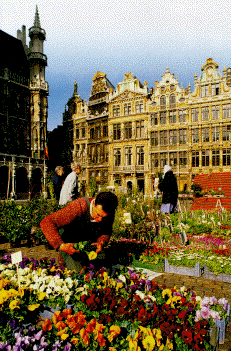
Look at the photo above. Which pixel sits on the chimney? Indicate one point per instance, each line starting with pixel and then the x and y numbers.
pixel 21 35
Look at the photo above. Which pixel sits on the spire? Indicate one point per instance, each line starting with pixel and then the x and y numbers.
pixel 36 19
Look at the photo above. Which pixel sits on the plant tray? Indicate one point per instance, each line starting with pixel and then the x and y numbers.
pixel 221 325
pixel 195 272
pixel 214 337
pixel 222 277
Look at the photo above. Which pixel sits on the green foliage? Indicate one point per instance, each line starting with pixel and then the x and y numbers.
pixel 18 219
pixel 196 188
pixel 92 188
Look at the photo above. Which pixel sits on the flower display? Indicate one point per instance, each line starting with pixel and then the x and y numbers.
pixel 121 311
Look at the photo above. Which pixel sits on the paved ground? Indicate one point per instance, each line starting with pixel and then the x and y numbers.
pixel 202 287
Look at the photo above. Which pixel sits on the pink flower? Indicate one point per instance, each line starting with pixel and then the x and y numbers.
pixel 205 312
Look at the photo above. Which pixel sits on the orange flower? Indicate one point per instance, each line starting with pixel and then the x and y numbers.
pixel 60 325
pixel 101 340
pixel 61 332
pixel 84 335
pixel 47 325
pixel 67 312
pixel 76 328
pixel 91 326
pixel 70 320
pixel 75 341
pixel 57 316
pixel 114 331
pixel 80 318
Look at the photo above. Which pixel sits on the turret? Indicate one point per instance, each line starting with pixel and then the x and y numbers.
pixel 37 60
pixel 38 87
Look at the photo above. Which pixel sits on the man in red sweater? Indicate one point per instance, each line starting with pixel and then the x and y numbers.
pixel 81 220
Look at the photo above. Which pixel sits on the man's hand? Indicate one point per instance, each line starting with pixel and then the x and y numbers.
pixel 99 247
pixel 68 248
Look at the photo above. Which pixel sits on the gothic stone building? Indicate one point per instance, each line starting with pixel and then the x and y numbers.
pixel 23 112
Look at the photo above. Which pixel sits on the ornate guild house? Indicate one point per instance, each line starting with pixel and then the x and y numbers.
pixel 125 135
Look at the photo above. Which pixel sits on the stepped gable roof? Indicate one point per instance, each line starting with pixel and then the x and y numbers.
pixel 14 56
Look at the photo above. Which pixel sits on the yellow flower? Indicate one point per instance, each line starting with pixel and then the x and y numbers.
pixel 146 331
pixel 3 296
pixel 92 255
pixel 3 282
pixel 33 307
pixel 14 304
pixel 118 286
pixel 157 334
pixel 12 292
pixel 168 293
pixel 64 336
pixel 112 349
pixel 149 343
pixel 174 300
pixel 41 295
pixel 169 344
pixel 75 341
pixel 105 275
pixel 133 345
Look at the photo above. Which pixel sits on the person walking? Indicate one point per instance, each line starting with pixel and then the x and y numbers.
pixel 168 186
pixel 57 181
pixel 70 191
pixel 84 219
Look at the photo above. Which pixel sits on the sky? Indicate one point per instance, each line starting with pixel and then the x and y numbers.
pixel 121 36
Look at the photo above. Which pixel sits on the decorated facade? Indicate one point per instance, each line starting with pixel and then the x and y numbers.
pixel 188 129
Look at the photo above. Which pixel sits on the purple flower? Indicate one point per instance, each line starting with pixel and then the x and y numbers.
pixel 43 343
pixel 3 345
pixel 198 316
pixel 56 345
pixel 205 301
pixel 205 312
pixel 133 275
pixel 12 323
pixel 134 287
pixel 213 300
pixel 36 264
pixel 142 281
pixel 38 335
pixel 67 347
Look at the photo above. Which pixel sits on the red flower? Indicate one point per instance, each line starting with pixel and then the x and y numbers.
pixel 187 336
pixel 120 311
pixel 182 314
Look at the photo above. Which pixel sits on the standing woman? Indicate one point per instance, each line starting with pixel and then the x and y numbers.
pixel 169 188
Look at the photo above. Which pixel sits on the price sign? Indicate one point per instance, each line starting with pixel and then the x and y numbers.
pixel 16 257
pixel 127 218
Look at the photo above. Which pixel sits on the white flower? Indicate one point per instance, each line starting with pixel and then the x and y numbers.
pixel 122 278
pixel 140 294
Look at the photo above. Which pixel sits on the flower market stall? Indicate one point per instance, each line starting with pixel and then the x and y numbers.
pixel 50 308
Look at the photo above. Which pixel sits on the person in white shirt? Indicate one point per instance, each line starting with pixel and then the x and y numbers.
pixel 69 191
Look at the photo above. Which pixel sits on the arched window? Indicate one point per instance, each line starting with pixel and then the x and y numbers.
pixel 172 101
pixel 163 102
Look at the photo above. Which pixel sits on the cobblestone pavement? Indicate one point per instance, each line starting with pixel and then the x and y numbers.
pixel 203 287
